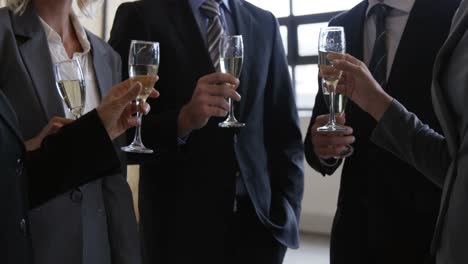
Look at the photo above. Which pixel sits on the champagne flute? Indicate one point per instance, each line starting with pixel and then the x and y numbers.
pixel 231 60
pixel 71 85
pixel 143 66
pixel 340 106
pixel 331 40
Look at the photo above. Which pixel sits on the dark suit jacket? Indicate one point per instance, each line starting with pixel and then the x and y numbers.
pixel 95 223
pixel 193 184
pixel 30 179
pixel 443 159
pixel 382 198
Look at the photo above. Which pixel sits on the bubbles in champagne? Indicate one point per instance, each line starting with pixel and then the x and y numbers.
pixel 146 75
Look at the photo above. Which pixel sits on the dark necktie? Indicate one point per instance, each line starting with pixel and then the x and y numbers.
pixel 378 62
pixel 210 9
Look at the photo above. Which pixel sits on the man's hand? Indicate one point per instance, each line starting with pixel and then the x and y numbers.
pixel 330 144
pixel 52 127
pixel 208 100
pixel 358 84
pixel 117 109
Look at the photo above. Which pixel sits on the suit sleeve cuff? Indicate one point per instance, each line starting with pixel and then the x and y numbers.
pixel 390 120
pixel 329 163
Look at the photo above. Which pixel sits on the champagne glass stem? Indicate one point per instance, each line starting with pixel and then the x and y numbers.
pixel 231 109
pixel 137 138
pixel 332 118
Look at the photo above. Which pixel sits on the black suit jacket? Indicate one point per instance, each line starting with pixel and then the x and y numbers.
pixel 197 179
pixel 382 194
pixel 30 179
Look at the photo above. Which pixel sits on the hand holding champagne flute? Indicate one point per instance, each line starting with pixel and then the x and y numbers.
pixel 114 110
pixel 143 66
pixel 340 106
pixel 118 107
pixel 360 86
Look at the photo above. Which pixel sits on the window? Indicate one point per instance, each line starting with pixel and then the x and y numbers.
pixel 305 7
pixel 300 23
pixel 280 8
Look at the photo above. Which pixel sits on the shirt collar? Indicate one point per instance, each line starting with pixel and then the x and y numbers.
pixel 54 37
pixel 404 6
pixel 196 4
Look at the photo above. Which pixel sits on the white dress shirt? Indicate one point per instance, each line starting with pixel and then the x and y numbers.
pixel 58 53
pixel 395 24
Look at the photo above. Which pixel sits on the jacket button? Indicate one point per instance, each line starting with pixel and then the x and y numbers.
pixel 237 174
pixel 19 166
pixel 76 195
pixel 24 227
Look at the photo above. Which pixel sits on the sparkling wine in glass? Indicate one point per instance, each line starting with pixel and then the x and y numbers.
pixel 143 66
pixel 71 85
pixel 340 106
pixel 331 40
pixel 231 60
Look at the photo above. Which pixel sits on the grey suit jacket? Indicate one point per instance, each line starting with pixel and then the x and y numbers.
pixel 444 160
pixel 94 224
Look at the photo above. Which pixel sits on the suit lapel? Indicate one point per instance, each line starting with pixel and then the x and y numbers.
pixel 409 42
pixel 244 27
pixel 354 30
pixel 35 54
pixel 102 69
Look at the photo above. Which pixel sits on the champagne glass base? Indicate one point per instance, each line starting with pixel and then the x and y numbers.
pixel 331 128
pixel 135 148
pixel 231 124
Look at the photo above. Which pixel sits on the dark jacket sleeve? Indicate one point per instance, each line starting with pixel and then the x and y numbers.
pixel 320 108
pixel 81 151
pixel 284 139
pixel 159 125
pixel 404 135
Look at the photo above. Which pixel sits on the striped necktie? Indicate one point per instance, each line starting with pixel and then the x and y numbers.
pixel 210 9
pixel 378 62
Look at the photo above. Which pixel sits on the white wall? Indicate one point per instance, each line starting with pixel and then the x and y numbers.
pixel 93 22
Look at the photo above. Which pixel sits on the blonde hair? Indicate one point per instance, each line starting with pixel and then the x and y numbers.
pixel 19 6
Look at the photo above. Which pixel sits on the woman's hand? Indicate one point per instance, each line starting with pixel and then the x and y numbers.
pixel 358 84
pixel 117 109
pixel 52 127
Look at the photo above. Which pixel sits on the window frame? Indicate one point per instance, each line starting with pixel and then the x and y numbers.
pixel 292 22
